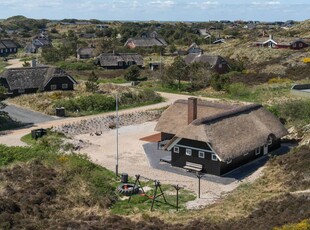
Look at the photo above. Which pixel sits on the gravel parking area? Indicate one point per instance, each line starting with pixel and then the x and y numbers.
pixel 133 160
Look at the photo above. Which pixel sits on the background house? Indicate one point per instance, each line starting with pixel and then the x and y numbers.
pixel 218 63
pixel 295 44
pixel 218 136
pixel 119 60
pixel 39 41
pixel 194 48
pixel 146 41
pixel 7 47
pixel 30 80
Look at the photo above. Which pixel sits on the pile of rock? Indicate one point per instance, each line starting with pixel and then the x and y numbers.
pixel 96 125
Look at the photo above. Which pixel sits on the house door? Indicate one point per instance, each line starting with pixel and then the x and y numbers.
pixel 265 149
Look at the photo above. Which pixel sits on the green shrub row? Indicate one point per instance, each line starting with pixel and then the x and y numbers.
pixel 103 103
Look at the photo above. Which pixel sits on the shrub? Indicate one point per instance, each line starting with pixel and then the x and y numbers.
pixel 278 80
pixel 238 90
pixel 297 110
pixel 219 82
pixel 132 73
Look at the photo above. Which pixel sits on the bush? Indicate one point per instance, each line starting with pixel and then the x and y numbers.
pixel 132 73
pixel 219 82
pixel 295 111
pixel 238 90
pixel 278 80
pixel 75 65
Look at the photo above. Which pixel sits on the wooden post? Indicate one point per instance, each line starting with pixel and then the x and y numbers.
pixel 199 175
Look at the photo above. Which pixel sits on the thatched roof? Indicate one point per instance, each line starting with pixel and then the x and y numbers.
pixel 231 129
pixel 213 60
pixel 112 59
pixel 8 43
pixel 2 46
pixel 147 42
pixel 31 78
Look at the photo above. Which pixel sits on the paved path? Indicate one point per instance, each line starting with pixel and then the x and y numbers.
pixel 27 116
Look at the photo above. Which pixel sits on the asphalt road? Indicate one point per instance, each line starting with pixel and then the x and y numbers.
pixel 27 116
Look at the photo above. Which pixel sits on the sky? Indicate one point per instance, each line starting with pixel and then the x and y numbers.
pixel 159 10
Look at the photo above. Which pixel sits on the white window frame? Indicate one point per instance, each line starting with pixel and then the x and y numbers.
pixel 201 154
pixel 188 152
pixel 64 86
pixel 53 87
pixel 229 161
pixel 213 157
pixel 257 151
pixel 245 153
pixel 176 149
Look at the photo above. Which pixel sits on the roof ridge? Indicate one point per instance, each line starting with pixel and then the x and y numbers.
pixel 230 113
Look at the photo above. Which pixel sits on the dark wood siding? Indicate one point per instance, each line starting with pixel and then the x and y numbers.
pixel 243 159
pixel 58 81
pixel 179 159
pixel 210 166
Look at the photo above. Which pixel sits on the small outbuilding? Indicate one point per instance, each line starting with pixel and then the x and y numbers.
pixel 216 138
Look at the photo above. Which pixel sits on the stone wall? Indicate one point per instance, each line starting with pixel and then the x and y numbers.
pixel 96 125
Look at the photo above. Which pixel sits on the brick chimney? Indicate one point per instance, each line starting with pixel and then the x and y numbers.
pixel 192 109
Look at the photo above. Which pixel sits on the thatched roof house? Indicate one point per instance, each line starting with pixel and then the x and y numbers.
pixel 218 63
pixel 232 134
pixel 119 60
pixel 33 79
pixel 147 40
pixel 7 46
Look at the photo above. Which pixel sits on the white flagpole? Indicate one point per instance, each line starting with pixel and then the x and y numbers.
pixel 117 123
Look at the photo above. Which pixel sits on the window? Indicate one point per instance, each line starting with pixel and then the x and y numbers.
pixel 21 90
pixel 64 86
pixel 229 161
pixel 120 63
pixel 245 153
pixel 294 45
pixel 1 51
pixel 176 149
pixel 213 157
pixel 188 152
pixel 53 87
pixel 257 151
pixel 201 154
pixel 220 65
pixel 300 44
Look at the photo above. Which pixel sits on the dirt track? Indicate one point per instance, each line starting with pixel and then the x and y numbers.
pixel 14 63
